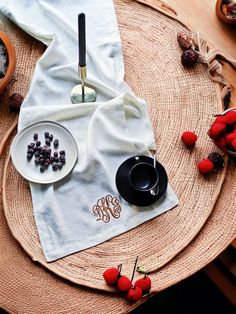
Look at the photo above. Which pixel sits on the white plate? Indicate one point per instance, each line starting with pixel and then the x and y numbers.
pixel 28 169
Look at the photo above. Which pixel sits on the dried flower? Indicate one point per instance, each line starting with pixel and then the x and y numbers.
pixel 185 40
pixel 189 58
pixel 15 102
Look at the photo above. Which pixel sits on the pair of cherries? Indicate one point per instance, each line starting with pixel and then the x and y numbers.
pixel 134 291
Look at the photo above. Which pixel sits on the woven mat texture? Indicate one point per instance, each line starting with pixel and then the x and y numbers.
pixel 166 235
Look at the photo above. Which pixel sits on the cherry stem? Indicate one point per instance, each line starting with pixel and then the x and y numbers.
pixel 119 267
pixel 135 264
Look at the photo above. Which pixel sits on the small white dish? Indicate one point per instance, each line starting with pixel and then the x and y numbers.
pixel 28 169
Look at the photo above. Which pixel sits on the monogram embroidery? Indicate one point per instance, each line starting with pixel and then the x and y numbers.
pixel 106 207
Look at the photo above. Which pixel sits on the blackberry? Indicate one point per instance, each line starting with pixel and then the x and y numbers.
pixel 46 134
pixel 36 136
pixel 189 58
pixel 217 159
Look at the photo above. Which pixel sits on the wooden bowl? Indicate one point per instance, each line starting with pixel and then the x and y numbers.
pixel 221 14
pixel 11 61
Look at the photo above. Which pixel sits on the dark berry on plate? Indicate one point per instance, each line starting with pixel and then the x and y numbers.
pixel 46 134
pixel 29 156
pixel 55 154
pixel 30 151
pixel 42 168
pixel 48 141
pixel 35 148
pixel 63 159
pixel 52 159
pixel 31 145
pixel 59 165
pixel 56 159
pixel 54 167
pixel 36 161
pixel 36 136
pixel 55 143
pixel 44 150
pixel 50 137
pixel 62 152
pixel 38 143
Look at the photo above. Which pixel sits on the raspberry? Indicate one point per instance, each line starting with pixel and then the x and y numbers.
pixel 111 276
pixel 216 129
pixel 205 166
pixel 234 145
pixel 134 294
pixel 124 284
pixel 230 117
pixel 220 142
pixel 230 137
pixel 217 159
pixel 220 119
pixel 143 283
pixel 189 138
pixel 189 58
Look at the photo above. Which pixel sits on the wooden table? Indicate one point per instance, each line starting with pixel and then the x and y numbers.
pixel 200 14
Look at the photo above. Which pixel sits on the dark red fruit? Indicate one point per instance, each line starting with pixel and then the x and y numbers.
pixel 135 294
pixel 144 284
pixel 111 276
pixel 189 138
pixel 216 129
pixel 124 284
pixel 205 166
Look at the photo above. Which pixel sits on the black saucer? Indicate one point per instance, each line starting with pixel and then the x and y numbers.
pixel 131 195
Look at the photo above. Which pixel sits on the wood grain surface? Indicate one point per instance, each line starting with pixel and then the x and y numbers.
pixel 201 15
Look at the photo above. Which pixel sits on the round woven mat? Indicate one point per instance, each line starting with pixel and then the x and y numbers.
pixel 178 100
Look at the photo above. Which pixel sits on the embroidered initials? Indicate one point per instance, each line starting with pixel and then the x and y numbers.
pixel 106 207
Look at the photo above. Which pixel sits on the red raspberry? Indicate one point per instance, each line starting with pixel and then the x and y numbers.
pixel 220 119
pixel 230 117
pixel 205 166
pixel 189 138
pixel 143 283
pixel 216 129
pixel 135 294
pixel 230 137
pixel 221 143
pixel 124 284
pixel 234 144
pixel 111 276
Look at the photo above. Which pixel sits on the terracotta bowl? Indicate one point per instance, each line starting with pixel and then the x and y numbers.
pixel 11 61
pixel 221 11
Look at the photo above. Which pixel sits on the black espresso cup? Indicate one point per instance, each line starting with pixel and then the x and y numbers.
pixel 143 177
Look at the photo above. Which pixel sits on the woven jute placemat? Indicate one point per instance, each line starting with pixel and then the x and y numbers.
pixel 27 287
pixel 178 100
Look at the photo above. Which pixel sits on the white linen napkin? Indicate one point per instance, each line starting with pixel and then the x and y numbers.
pixel 107 132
